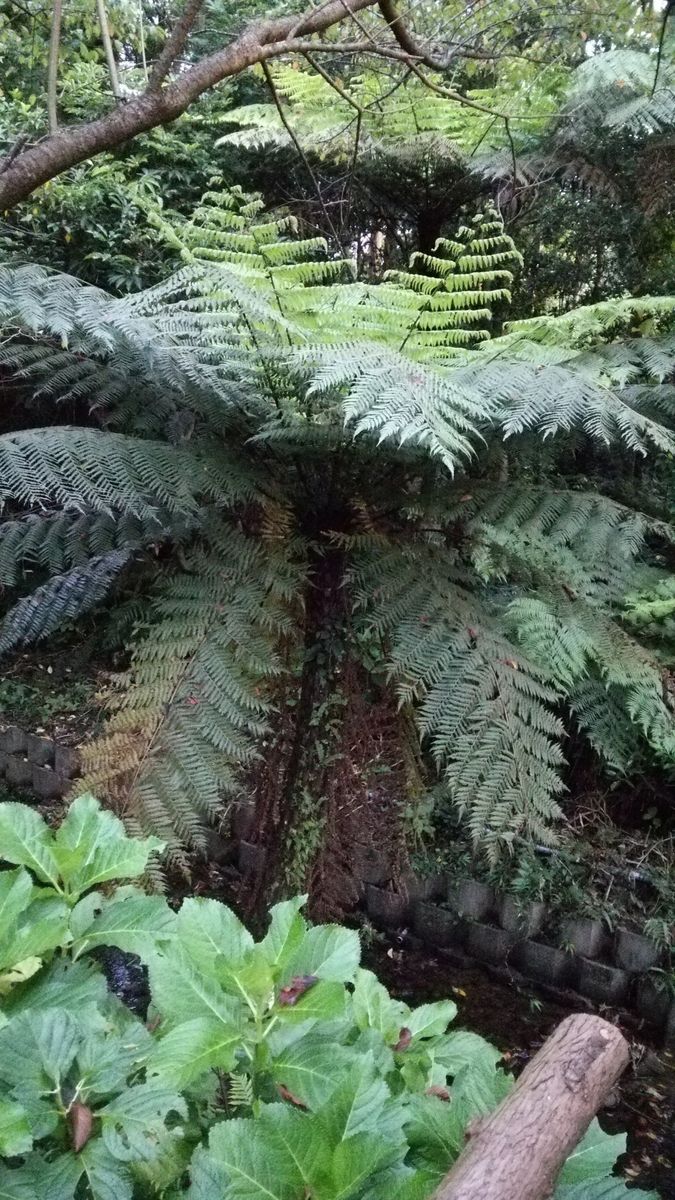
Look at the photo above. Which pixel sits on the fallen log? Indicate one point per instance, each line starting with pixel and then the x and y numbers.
pixel 516 1152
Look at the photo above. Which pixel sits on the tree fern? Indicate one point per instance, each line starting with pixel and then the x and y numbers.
pixel 327 466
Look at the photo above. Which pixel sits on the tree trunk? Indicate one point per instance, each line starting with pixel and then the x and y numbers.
pixel 516 1152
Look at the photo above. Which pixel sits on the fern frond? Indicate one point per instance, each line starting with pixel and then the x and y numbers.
pixel 59 540
pixel 193 707
pixel 62 600
pixel 484 708
pixel 88 469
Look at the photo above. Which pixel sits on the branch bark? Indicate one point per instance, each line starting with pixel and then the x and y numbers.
pixel 516 1153
pixel 260 41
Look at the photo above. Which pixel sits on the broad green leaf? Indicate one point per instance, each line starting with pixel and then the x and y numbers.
pixel 362 1103
pixel 416 1068
pixel 134 1122
pixel 181 993
pixel 431 1020
pixel 15 1134
pixel 51 1179
pixel 286 931
pixel 192 1048
pixel 35 1044
pixel 41 928
pixel 324 1001
pixel 105 1061
pixel 107 1179
pixel 91 847
pixel 302 1137
pixel 403 1183
pixel 41 1113
pixel 477 1089
pixel 250 979
pixel 257 1167
pixel 16 888
pixel 594 1157
pixel 26 840
pixel 462 1049
pixel 312 1068
pixel 602 1189
pixel 327 951
pixel 208 929
pixel 78 987
pixel 135 924
pixel 19 973
pixel 436 1132
pixel 369 1041
pixel 374 1008
pixel 15 1184
pixel 208 1176
pixel 357 1160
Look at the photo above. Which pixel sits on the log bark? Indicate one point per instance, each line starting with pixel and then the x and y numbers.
pixel 516 1152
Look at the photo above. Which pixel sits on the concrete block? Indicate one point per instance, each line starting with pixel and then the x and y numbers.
pixel 46 783
pixel 488 944
pixel 601 983
pixel 584 936
pixel 387 910
pixel 67 761
pixel 653 999
pixel 19 771
pixel 522 920
pixel 475 900
pixel 438 926
pixel 545 964
pixel 634 951
pixel 40 750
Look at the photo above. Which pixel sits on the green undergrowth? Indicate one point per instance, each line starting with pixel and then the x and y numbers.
pixel 278 1069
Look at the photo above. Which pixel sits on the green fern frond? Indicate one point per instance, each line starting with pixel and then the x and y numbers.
pixel 62 600
pixel 59 540
pixel 192 709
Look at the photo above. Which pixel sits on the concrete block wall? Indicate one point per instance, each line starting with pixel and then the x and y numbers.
pixel 37 764
pixel 610 969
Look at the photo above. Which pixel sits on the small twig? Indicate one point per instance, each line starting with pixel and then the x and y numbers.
pixel 108 48
pixel 450 94
pixel 670 5
pixel 13 152
pixel 292 135
pixel 53 66
pixel 141 26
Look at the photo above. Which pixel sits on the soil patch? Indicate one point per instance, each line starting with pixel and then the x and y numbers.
pixel 53 692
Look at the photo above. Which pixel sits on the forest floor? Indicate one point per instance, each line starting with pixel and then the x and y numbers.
pixel 518 1020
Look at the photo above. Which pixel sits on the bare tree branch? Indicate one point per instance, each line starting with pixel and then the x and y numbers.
pixel 174 44
pixel 53 66
pixel 261 40
pixel 108 47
